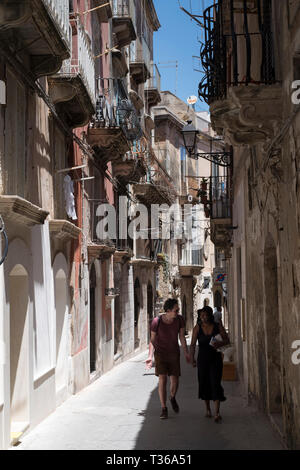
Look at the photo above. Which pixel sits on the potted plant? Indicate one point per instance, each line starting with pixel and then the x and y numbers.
pixel 160 257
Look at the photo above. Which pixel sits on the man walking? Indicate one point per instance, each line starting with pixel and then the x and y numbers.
pixel 165 331
pixel 217 314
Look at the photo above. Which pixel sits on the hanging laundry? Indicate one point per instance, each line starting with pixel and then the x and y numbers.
pixel 69 197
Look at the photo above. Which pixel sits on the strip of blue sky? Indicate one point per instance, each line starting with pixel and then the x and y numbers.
pixel 178 40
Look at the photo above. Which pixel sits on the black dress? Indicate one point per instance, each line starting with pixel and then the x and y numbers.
pixel 210 367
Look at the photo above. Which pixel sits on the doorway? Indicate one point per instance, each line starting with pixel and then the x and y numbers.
pixel 149 305
pixel 93 283
pixel 118 327
pixel 218 300
pixel 274 392
pixel 137 306
pixel 61 309
pixel 19 347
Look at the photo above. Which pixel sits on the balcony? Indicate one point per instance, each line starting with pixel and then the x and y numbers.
pixel 239 80
pixel 191 263
pixel 64 230
pixel 220 200
pixel 41 29
pixel 124 250
pixel 100 245
pixel 123 26
pixel 144 253
pixel 139 61
pixel 152 86
pixel 116 125
pixel 156 186
pixel 21 211
pixel 104 13
pixel 72 89
pixel 131 167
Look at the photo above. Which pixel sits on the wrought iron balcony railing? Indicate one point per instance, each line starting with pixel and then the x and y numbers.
pixel 139 52
pixel 82 62
pixel 59 10
pixel 238 47
pixel 192 257
pixel 155 78
pixel 115 110
pixel 121 8
pixel 220 197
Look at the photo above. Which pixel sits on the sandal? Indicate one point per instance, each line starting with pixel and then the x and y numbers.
pixel 218 418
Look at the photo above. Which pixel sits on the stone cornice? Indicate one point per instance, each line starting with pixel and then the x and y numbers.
pixel 109 141
pixel 189 270
pixel 162 113
pixel 121 256
pixel 100 249
pixel 143 262
pixel 63 229
pixel 250 115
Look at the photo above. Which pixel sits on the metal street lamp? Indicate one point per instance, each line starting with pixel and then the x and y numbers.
pixel 189 133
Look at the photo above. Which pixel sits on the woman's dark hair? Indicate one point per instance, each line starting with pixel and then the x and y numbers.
pixel 209 311
pixel 170 304
pixel 199 311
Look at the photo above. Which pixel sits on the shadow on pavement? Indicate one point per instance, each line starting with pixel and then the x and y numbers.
pixel 242 427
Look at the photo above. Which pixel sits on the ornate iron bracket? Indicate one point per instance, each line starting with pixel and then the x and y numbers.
pixel 219 158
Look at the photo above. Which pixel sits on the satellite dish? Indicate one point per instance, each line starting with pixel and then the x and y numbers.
pixel 192 99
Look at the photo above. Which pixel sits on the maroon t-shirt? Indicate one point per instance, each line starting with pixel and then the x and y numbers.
pixel 166 339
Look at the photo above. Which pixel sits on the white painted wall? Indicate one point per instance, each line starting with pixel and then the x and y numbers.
pixel 19 345
pixel 43 295
pixel 17 275
pixel 61 302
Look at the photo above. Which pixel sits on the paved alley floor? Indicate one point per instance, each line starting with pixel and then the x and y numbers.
pixel 120 411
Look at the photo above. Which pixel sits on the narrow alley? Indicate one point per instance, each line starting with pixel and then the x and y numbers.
pixel 120 411
pixel 149 170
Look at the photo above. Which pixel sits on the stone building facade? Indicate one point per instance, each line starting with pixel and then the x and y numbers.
pixel 252 108
pixel 77 82
pixel 191 261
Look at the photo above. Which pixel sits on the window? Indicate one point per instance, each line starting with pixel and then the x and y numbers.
pixel 206 282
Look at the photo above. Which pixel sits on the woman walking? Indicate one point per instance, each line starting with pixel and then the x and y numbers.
pixel 209 361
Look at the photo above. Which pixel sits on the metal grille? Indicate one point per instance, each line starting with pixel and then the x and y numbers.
pixel 237 50
pixel 220 197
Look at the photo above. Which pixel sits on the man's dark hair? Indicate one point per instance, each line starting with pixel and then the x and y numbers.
pixel 209 311
pixel 170 304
